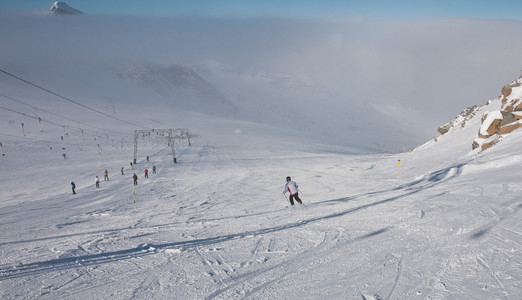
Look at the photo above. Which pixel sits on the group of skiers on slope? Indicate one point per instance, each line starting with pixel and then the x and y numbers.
pixel 106 178
pixel 290 186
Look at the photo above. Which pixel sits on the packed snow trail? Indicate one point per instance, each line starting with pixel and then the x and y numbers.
pixel 214 226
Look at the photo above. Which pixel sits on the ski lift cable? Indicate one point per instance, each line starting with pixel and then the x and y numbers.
pixel 50 122
pixel 45 141
pixel 69 119
pixel 70 100
pixel 94 134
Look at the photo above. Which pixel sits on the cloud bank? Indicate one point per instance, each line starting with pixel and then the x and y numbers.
pixel 403 78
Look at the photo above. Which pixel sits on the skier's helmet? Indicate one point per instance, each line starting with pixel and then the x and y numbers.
pixel 288 178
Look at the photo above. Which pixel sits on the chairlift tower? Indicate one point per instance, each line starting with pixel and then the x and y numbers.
pixel 169 134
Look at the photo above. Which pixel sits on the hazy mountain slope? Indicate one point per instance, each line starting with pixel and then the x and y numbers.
pixel 443 224
pixel 344 82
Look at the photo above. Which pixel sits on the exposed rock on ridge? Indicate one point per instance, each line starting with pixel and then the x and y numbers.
pixel 495 123
pixel 506 120
pixel 461 119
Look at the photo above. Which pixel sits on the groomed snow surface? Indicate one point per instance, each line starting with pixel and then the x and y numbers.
pixel 445 224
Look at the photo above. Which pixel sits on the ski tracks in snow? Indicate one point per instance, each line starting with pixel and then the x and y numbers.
pixel 272 263
pixel 214 226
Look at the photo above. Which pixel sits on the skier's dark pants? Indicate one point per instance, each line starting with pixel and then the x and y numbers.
pixel 296 196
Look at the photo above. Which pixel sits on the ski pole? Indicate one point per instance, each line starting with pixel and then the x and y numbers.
pixel 134 196
pixel 287 199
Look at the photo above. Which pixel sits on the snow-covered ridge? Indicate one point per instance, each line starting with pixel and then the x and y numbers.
pixel 500 122
pixel 460 120
pixel 62 8
pixel 168 80
pixel 500 116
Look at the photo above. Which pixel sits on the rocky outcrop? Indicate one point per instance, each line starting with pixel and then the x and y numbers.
pixel 495 124
pixel 460 120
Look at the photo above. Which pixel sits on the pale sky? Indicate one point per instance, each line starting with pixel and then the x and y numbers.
pixel 343 9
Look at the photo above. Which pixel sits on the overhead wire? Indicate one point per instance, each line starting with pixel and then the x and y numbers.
pixel 70 100
pixel 44 141
pixel 95 134
pixel 66 118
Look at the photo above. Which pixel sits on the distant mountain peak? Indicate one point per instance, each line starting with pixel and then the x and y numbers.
pixel 62 8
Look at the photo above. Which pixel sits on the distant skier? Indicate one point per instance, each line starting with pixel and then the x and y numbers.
pixel 122 171
pixel 147 158
pixel 153 169
pixel 73 186
pixel 292 188
pixel 132 167
pixel 146 173
pixel 106 178
pixel 97 181
pixel 135 179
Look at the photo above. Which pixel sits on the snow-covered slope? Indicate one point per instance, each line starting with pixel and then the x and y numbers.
pixel 444 224
pixel 182 86
pixel 303 104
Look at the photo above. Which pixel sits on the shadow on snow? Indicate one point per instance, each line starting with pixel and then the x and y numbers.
pixel 41 267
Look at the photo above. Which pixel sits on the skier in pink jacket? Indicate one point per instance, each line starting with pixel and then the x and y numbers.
pixel 292 188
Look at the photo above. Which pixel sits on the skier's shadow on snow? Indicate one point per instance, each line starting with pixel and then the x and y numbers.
pixel 428 181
